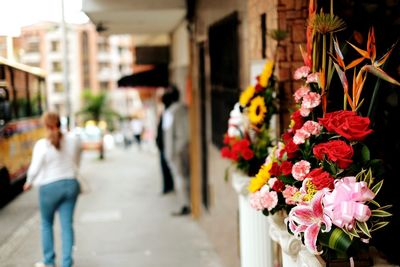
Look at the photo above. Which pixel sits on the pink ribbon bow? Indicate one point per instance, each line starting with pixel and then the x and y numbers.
pixel 345 203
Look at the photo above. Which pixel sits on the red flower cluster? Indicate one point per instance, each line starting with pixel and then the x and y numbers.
pixel 347 124
pixel 236 149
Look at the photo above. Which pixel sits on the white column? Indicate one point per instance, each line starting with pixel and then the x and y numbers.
pixel 293 251
pixel 255 243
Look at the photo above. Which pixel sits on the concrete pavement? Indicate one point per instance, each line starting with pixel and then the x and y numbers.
pixel 122 221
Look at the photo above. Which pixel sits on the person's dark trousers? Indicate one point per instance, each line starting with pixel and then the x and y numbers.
pixel 168 182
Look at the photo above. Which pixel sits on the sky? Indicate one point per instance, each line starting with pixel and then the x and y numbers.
pixel 17 13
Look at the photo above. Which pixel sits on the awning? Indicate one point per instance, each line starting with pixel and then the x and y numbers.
pixel 156 77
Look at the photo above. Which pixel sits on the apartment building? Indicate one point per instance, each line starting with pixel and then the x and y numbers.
pixel 94 62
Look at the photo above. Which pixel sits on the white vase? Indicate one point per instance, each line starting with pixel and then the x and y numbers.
pixel 255 244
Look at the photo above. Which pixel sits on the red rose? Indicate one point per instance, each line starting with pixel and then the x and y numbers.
pixel 286 167
pixel 321 179
pixel 348 124
pixel 241 145
pixel 275 170
pixel 227 139
pixel 278 186
pixel 337 151
pixel 291 149
pixel 298 120
pixel 247 154
pixel 234 155
pixel 287 137
pixel 225 152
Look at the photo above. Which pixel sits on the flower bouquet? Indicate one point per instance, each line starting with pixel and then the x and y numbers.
pixel 248 137
pixel 321 173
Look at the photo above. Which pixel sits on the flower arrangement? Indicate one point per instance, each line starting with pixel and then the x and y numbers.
pixel 321 172
pixel 247 139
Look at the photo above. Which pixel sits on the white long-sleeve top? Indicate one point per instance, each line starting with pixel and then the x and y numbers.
pixel 49 164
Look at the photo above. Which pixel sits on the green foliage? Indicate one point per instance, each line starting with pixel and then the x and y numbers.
pixel 95 107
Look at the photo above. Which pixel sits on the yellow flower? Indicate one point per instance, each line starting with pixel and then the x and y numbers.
pixel 246 95
pixel 266 73
pixel 257 110
pixel 260 179
pixel 292 122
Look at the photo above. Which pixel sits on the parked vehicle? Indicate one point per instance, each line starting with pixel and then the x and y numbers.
pixel 22 101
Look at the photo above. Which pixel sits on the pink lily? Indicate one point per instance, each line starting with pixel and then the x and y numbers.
pixel 308 219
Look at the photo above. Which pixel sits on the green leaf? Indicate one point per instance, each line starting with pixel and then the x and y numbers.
pixel 364 228
pixel 336 239
pixel 378 225
pixel 374 202
pixel 380 213
pixel 226 175
pixel 351 233
pixel 365 154
pixel 287 179
pixel 385 207
pixel 377 187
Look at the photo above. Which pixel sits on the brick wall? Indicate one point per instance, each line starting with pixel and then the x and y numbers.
pixel 288 15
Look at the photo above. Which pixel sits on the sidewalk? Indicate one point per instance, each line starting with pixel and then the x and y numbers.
pixel 122 221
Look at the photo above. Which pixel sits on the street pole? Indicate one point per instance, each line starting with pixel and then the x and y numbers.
pixel 65 66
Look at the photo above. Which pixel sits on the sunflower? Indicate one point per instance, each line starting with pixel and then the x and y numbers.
pixel 261 178
pixel 247 95
pixel 266 73
pixel 257 110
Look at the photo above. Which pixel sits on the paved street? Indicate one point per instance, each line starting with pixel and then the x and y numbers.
pixel 122 221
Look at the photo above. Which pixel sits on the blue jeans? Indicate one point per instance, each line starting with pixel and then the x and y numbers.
pixel 58 196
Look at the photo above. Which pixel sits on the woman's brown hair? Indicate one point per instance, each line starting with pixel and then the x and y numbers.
pixel 52 122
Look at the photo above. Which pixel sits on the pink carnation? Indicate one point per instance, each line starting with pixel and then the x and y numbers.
pixel 313 77
pixel 301 72
pixel 255 201
pixel 300 136
pixel 288 194
pixel 311 100
pixel 268 199
pixel 301 169
pixel 304 112
pixel 312 127
pixel 300 93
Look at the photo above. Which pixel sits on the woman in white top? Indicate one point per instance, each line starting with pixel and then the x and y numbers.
pixel 53 167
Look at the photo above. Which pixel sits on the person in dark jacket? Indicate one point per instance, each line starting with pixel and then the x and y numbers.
pixel 167 183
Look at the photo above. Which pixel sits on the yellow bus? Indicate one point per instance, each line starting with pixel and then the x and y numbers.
pixel 22 101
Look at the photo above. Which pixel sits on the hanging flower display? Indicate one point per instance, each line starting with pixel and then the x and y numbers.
pixel 249 124
pixel 321 171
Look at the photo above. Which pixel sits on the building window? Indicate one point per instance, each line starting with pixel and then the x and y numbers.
pixel 32 47
pixel 58 87
pixel 103 47
pixel 56 66
pixel 104 66
pixel 55 46
pixel 104 86
pixel 120 50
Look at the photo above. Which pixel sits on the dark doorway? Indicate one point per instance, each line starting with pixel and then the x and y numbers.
pixel 224 61
pixel 203 124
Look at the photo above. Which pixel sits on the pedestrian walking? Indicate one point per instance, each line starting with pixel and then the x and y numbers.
pixel 176 147
pixel 54 164
pixel 137 129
